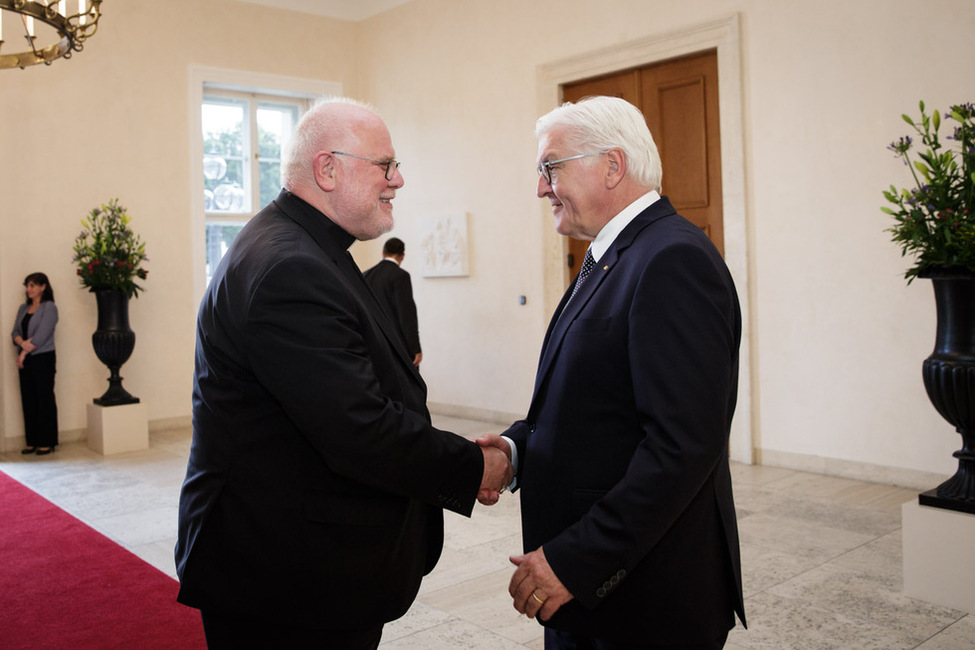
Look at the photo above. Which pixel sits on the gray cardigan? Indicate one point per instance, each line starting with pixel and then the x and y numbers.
pixel 40 330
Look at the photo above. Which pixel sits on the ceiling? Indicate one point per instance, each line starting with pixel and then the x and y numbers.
pixel 354 10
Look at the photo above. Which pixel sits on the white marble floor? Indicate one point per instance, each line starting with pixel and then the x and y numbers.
pixel 821 555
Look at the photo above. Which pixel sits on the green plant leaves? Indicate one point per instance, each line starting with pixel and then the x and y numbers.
pixel 934 222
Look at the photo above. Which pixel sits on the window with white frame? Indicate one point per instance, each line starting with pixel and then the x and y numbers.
pixel 244 137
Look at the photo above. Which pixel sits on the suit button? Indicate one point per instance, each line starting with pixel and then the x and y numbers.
pixel 601 592
pixel 614 580
pixel 621 574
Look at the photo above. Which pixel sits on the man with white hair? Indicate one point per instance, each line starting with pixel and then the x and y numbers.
pixel 628 519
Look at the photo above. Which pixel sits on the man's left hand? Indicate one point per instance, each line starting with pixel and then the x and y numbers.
pixel 534 587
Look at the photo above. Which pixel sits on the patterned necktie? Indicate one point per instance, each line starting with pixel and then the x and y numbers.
pixel 587 266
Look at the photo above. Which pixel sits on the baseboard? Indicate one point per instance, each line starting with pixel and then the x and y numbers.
pixel 168 424
pixel 68 435
pixel 65 436
pixel 471 413
pixel 899 476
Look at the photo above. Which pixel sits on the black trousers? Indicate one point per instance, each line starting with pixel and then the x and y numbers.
pixel 560 640
pixel 234 632
pixel 37 399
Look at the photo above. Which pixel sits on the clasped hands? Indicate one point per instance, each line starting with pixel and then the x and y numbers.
pixel 26 347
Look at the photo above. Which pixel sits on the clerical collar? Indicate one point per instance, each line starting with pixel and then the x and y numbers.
pixel 334 231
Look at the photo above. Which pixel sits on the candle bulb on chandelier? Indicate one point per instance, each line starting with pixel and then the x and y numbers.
pixel 29 25
pixel 63 8
pixel 82 11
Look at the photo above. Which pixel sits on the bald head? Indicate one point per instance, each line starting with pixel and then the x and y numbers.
pixel 330 124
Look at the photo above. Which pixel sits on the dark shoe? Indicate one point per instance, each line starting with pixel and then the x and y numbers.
pixel 29 450
pixel 44 451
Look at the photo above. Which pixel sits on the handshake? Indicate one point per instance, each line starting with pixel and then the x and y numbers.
pixel 498 472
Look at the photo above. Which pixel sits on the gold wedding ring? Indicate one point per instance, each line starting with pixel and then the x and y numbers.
pixel 537 599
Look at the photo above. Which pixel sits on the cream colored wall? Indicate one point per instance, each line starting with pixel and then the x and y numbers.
pixel 841 336
pixel 114 121
pixel 837 339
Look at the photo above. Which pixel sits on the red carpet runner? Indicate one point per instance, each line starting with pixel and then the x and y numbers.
pixel 65 585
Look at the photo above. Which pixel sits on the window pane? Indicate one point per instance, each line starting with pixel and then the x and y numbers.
pixel 235 123
pixel 225 175
pixel 275 124
pixel 270 181
pixel 220 234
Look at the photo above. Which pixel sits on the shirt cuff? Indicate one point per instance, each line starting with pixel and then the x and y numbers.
pixel 514 462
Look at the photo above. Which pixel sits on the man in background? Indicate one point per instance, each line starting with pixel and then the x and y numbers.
pixel 315 488
pixel 628 519
pixel 392 287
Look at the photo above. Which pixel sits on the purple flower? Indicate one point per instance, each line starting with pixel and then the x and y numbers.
pixel 901 146
pixel 965 110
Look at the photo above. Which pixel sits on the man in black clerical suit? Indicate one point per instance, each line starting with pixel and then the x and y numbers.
pixel 628 519
pixel 392 287
pixel 312 504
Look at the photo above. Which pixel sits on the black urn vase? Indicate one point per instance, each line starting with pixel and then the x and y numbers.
pixel 949 378
pixel 113 341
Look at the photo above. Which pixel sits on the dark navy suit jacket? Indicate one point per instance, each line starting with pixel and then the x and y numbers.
pixel 624 473
pixel 315 483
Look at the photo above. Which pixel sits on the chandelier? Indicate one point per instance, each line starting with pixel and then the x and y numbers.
pixel 50 28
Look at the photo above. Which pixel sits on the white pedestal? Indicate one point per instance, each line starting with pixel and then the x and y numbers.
pixel 939 566
pixel 117 429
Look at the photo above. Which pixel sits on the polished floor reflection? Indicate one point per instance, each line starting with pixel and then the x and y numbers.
pixel 821 555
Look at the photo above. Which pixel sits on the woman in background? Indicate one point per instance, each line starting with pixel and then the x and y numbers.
pixel 33 334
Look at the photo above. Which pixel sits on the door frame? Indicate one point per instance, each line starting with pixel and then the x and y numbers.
pixel 724 35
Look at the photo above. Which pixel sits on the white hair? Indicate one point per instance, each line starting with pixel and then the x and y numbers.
pixel 318 128
pixel 602 123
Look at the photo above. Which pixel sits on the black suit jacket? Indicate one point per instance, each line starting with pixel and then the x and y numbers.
pixel 315 480
pixel 394 291
pixel 624 471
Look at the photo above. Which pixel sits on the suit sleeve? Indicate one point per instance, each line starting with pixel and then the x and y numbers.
pixel 518 434
pixel 310 352
pixel 682 348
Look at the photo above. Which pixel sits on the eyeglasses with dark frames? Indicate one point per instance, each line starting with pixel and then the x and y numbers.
pixel 545 168
pixel 390 165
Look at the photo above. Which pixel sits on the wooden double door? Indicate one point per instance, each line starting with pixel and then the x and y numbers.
pixel 679 99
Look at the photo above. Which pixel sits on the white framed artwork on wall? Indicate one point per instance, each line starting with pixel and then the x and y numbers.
pixel 444 247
